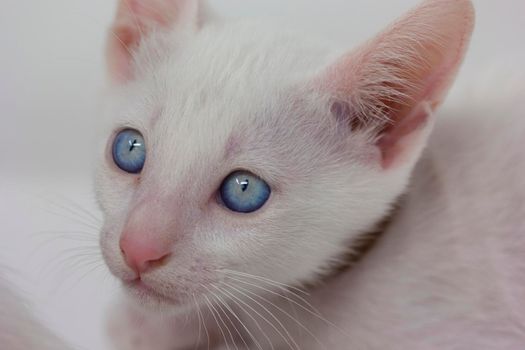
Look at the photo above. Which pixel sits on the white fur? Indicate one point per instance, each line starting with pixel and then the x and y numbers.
pixel 449 271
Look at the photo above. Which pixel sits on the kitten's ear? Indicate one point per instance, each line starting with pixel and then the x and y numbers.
pixel 393 83
pixel 136 19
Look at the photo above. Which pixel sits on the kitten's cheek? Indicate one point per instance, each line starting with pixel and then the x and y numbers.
pixel 114 259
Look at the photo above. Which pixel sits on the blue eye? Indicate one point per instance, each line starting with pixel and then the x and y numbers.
pixel 244 192
pixel 129 151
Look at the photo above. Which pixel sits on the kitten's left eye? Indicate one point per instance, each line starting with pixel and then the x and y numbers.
pixel 244 192
pixel 129 151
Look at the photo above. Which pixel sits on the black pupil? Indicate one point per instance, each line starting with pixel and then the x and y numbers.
pixel 244 184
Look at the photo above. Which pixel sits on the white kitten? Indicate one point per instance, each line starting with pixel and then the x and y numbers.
pixel 325 145
pixel 334 138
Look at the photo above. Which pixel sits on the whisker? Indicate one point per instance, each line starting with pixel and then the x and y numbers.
pixel 208 304
pixel 294 310
pixel 76 252
pixel 313 311
pixel 285 288
pixel 197 343
pixel 66 260
pixel 90 219
pixel 271 315
pixel 75 263
pixel 81 210
pixel 91 236
pixel 84 275
pixel 229 295
pixel 222 321
pixel 265 279
pixel 74 219
pixel 240 321
pixel 201 317
pixel 72 260
pixel 220 304
pixel 91 266
pixel 300 324
pixel 261 316
pixel 93 244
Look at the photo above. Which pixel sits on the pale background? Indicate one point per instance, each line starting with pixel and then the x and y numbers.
pixel 51 77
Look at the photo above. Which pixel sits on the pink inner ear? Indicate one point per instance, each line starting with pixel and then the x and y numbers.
pixel 158 12
pixel 409 66
pixel 402 138
pixel 119 52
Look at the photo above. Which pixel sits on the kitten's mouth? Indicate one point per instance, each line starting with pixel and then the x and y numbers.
pixel 144 292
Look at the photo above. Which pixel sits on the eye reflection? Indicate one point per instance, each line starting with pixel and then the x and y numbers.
pixel 133 144
pixel 244 184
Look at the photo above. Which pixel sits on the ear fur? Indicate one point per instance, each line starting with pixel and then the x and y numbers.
pixel 136 20
pixel 394 82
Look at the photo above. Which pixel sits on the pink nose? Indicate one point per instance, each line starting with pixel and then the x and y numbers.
pixel 142 254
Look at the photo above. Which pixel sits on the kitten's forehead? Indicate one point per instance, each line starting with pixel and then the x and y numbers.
pixel 212 95
pixel 236 68
pixel 226 58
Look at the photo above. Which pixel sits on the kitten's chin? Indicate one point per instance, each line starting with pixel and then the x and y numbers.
pixel 149 298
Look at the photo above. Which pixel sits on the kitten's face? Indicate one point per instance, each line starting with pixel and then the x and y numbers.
pixel 236 105
pixel 214 102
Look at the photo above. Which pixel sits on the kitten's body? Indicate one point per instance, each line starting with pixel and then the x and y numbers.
pixel 337 140
pixel 453 257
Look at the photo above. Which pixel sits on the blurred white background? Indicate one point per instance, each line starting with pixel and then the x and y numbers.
pixel 51 81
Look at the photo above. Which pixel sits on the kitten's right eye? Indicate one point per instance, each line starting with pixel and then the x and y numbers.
pixel 129 151
pixel 244 192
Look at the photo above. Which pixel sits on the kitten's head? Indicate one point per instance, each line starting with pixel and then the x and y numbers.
pixel 238 151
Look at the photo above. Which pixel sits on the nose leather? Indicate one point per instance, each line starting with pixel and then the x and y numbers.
pixel 148 235
pixel 141 253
